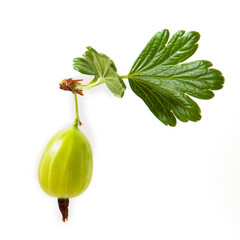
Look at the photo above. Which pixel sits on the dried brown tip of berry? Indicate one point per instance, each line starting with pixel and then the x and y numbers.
pixel 63 206
pixel 70 85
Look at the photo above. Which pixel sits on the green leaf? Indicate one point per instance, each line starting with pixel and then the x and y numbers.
pixel 103 68
pixel 165 85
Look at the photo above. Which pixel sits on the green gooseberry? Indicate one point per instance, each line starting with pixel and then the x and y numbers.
pixel 65 169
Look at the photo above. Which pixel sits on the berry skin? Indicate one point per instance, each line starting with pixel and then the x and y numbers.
pixel 65 169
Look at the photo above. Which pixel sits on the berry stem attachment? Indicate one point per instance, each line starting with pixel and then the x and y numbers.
pixel 77 120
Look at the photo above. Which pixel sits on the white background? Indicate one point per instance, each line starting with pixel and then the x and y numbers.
pixel 150 181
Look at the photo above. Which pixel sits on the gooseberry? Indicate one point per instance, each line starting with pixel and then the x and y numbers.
pixel 65 169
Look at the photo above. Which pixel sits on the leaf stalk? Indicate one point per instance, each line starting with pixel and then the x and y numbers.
pixel 90 85
pixel 124 76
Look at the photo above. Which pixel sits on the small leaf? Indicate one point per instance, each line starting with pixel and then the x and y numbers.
pixel 165 85
pixel 101 66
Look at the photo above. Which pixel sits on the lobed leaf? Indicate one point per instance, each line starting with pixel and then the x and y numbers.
pixel 165 85
pixel 101 66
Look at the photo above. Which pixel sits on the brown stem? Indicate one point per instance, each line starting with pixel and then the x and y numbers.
pixel 63 206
